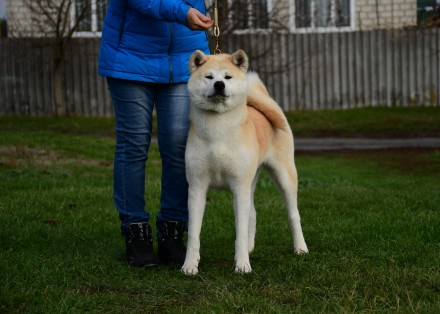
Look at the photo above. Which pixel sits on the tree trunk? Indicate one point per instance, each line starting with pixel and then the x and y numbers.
pixel 60 108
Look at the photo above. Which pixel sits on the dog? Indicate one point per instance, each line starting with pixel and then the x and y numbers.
pixel 236 128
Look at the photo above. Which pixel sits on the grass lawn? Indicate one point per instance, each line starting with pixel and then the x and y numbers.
pixel 371 220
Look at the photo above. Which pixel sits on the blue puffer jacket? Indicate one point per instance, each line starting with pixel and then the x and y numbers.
pixel 147 40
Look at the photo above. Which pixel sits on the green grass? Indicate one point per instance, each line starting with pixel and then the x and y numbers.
pixel 367 122
pixel 371 221
pixel 370 122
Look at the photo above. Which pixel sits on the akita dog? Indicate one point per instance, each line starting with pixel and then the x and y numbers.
pixel 236 128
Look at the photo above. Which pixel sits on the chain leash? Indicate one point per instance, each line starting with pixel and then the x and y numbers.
pixel 216 29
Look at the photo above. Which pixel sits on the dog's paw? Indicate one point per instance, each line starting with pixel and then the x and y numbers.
pixel 300 247
pixel 243 268
pixel 301 250
pixel 190 270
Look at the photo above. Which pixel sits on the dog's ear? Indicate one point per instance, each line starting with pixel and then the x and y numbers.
pixel 240 59
pixel 196 60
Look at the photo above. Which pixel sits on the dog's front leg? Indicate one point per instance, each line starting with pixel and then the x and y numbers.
pixel 252 217
pixel 196 209
pixel 242 207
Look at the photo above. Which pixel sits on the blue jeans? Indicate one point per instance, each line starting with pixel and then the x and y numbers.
pixel 133 103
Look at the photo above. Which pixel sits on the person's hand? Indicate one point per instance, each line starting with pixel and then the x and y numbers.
pixel 197 21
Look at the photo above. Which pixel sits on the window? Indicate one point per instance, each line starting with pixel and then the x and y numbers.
pixel 281 15
pixel 243 15
pixel 250 14
pixel 322 15
pixel 89 15
pixel 428 11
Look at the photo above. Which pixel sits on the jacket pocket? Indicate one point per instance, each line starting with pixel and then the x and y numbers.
pixel 121 32
pixel 121 28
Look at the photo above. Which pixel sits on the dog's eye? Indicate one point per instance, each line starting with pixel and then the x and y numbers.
pixel 209 77
pixel 228 77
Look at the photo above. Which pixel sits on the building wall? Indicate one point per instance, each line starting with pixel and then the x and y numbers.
pixel 369 14
pixel 25 22
pixel 373 14
pixel 19 19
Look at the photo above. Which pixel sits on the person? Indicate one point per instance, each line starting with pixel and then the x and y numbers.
pixel 144 55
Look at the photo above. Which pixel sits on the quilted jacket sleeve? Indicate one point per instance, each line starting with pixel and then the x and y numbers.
pixel 166 10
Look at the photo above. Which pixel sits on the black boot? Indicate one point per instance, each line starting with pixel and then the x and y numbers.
pixel 139 245
pixel 172 250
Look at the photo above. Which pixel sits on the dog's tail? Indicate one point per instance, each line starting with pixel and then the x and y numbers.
pixel 258 98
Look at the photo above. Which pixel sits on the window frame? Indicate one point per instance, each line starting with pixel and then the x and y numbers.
pixel 325 29
pixel 269 8
pixel 93 23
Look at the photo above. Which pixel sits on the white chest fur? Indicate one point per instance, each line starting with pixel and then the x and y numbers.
pixel 214 151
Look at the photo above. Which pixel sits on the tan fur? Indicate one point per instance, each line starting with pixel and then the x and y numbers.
pixel 259 98
pixel 236 127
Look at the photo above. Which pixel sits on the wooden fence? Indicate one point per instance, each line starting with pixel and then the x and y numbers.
pixel 302 71
pixel 26 78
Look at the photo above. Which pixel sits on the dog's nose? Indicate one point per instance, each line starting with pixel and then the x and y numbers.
pixel 219 86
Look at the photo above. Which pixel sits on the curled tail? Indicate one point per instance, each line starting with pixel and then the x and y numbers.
pixel 258 98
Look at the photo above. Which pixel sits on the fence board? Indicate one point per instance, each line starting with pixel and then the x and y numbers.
pixel 92 73
pixel 17 80
pixel 374 61
pixel 298 69
pixel 78 94
pixel 98 84
pixel 69 82
pixel 436 64
pixel 46 76
pixel 430 66
pixel 32 81
pixel 321 52
pixel 419 67
pixel 310 73
pixel 328 72
pixel 314 75
pixel 343 62
pixel 437 57
pixel 4 91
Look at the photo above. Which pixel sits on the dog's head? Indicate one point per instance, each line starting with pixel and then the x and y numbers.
pixel 218 82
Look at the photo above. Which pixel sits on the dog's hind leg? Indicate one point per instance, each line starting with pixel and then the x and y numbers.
pixel 196 209
pixel 242 209
pixel 286 177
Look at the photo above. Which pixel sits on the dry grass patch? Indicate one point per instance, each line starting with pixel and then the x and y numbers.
pixel 13 156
